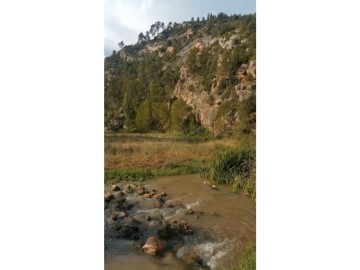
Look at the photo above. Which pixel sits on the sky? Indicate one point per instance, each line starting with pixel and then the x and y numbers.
pixel 125 19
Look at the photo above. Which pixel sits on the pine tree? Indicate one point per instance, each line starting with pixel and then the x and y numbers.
pixel 143 116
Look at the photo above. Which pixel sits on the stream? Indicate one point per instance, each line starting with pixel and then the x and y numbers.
pixel 221 223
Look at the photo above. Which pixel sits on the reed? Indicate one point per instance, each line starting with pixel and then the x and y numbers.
pixel 229 164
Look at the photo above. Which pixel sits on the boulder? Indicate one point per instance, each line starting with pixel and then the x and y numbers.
pixel 115 188
pixel 154 245
pixel 184 227
pixel 109 197
pixel 122 214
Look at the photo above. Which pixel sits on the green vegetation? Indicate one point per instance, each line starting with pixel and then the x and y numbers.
pixel 141 174
pixel 247 259
pixel 229 164
pixel 140 82
pixel 235 167
pixel 130 156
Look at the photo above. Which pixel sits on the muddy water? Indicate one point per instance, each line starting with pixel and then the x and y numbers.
pixel 223 222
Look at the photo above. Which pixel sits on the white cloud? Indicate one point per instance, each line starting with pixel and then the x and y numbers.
pixel 125 19
pixel 146 4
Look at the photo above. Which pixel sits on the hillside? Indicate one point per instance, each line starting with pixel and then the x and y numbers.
pixel 188 77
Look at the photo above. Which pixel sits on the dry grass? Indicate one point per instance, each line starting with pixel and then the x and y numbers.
pixel 158 150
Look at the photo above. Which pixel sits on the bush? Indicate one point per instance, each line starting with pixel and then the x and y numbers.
pixel 248 185
pixel 229 164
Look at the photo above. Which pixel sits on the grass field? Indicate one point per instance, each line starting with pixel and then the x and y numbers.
pixel 131 156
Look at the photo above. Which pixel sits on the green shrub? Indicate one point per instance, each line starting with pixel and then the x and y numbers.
pixel 248 185
pixel 229 164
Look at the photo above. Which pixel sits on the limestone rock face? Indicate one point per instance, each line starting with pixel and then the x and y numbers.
pixel 205 102
pixel 154 245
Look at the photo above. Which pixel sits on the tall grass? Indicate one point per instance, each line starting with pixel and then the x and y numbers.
pixel 234 167
pixel 247 259
pixel 229 163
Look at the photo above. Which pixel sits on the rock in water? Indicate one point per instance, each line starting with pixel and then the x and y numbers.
pixel 109 197
pixel 113 216
pixel 192 258
pixel 115 188
pixel 122 214
pixel 154 245
pixel 127 231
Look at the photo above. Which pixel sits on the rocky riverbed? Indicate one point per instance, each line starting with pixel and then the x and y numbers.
pixel 145 224
pixel 133 212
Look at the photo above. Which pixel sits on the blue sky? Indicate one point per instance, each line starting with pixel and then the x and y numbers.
pixel 125 19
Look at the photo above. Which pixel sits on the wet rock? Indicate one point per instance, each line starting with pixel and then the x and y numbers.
pixel 113 216
pixel 192 258
pixel 189 211
pixel 115 188
pixel 128 188
pixel 118 204
pixel 157 196
pixel 127 231
pixel 117 227
pixel 120 200
pixel 147 218
pixel 147 195
pixel 214 187
pixel 122 214
pixel 154 245
pixel 184 227
pixel 129 206
pixel 154 223
pixel 141 192
pixel 171 229
pixel 163 194
pixel 130 221
pixel 109 197
pixel 166 232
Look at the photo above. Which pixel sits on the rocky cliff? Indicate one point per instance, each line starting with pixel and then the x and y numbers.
pixel 209 64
